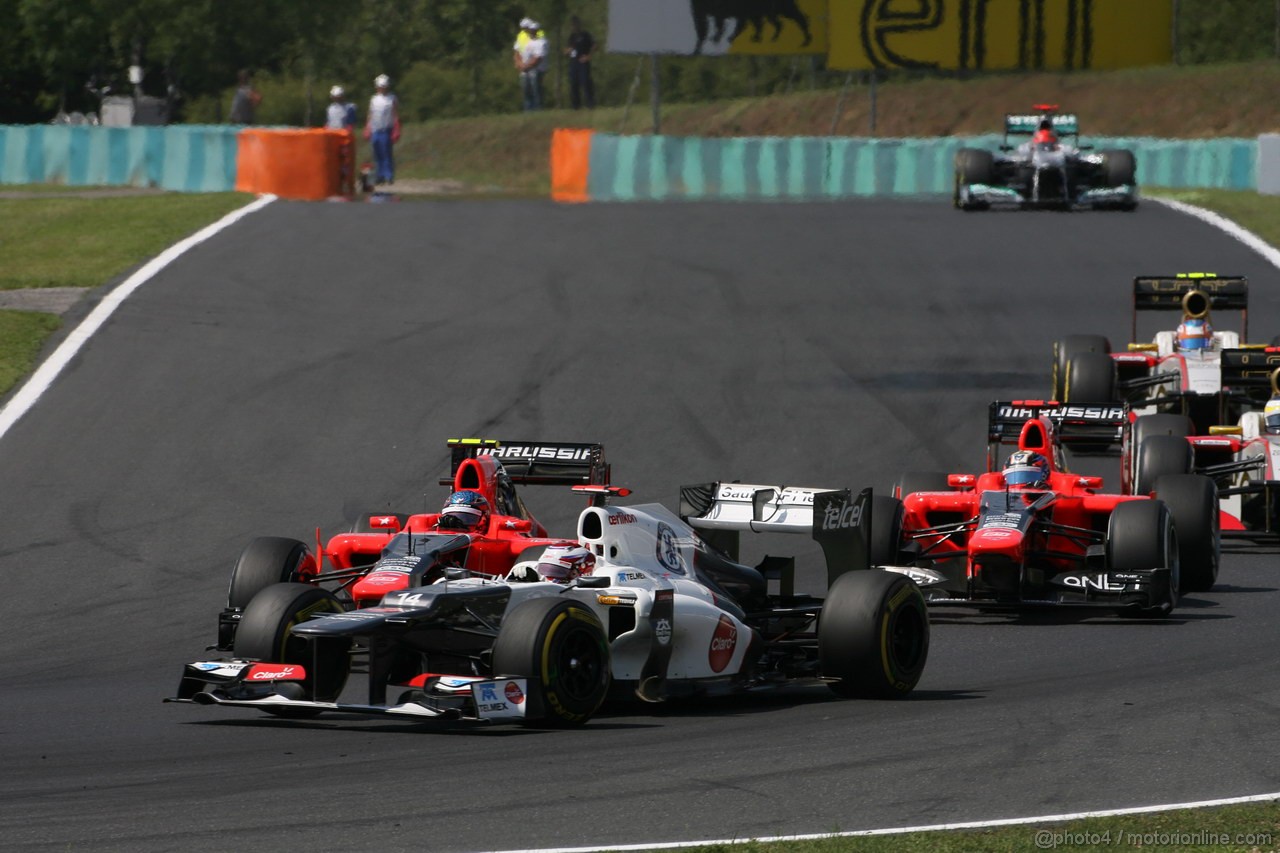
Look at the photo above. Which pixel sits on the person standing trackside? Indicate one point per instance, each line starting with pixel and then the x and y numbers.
pixel 581 46
pixel 341 115
pixel 246 99
pixel 382 129
pixel 531 61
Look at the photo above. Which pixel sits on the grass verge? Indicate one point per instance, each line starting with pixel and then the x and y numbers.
pixel 1258 213
pixel 60 240
pixel 21 335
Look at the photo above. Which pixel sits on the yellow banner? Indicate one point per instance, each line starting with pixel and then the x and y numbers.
pixel 999 34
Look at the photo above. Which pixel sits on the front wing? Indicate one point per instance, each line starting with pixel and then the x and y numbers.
pixel 1031 587
pixel 969 195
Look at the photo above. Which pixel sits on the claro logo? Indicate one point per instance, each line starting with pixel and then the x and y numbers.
pixel 723 642
pixel 841 516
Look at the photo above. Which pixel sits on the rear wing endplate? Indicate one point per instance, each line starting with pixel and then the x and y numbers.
pixel 1165 293
pixel 1065 124
pixel 837 520
pixel 537 463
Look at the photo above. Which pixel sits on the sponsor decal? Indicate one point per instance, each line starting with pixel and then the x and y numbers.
pixel 623 577
pixel 560 454
pixel 513 693
pixel 1213 442
pixel 621 518
pixel 275 672
pixel 667 549
pixel 735 493
pixel 1088 413
pixel 228 668
pixel 383 578
pixel 1101 582
pixel 1001 519
pixel 723 641
pixel 997 532
pixel 662 630
pixel 842 516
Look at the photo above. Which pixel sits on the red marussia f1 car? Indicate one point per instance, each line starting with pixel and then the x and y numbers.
pixel 386 552
pixel 1052 538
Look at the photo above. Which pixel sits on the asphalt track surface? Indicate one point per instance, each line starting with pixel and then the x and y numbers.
pixel 308 364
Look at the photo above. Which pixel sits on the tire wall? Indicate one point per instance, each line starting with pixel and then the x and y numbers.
pixel 643 168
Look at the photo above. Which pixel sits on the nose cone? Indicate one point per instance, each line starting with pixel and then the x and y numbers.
pixel 995 540
pixel 370 589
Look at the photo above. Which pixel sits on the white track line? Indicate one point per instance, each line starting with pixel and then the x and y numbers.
pixel 1217 220
pixel 44 376
pixel 900 830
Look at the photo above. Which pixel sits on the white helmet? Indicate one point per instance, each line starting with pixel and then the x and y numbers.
pixel 337 92
pixel 1271 416
pixel 565 563
pixel 382 81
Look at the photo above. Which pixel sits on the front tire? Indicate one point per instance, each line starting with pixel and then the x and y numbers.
pixel 559 645
pixel 873 635
pixel 265 561
pixel 265 634
pixel 1193 501
pixel 1140 537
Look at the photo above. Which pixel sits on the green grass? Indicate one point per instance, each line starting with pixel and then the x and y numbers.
pixel 85 241
pixel 1249 828
pixel 21 335
pixel 1258 213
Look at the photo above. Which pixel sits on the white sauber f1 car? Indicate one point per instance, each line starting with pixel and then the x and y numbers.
pixel 665 613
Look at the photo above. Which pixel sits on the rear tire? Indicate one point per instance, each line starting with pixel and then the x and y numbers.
pixel 1193 502
pixel 1157 456
pixel 1140 537
pixel 559 645
pixel 1090 378
pixel 265 634
pixel 886 530
pixel 1067 349
pixel 873 635
pixel 265 561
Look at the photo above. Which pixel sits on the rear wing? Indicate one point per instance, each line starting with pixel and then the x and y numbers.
pixel 1251 372
pixel 537 463
pixel 1025 125
pixel 837 520
pixel 1074 423
pixel 1165 293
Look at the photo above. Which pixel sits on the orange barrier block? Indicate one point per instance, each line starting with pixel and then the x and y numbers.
pixel 298 164
pixel 570 164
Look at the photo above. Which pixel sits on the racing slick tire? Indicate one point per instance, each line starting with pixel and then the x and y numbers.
pixel 885 544
pixel 873 635
pixel 1193 502
pixel 920 481
pixel 1067 349
pixel 265 635
pixel 973 166
pixel 1141 537
pixel 1120 167
pixel 264 561
pixel 560 646
pixel 1090 378
pixel 1157 456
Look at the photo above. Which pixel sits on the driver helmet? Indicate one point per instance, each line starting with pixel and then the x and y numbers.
pixel 466 510
pixel 1195 334
pixel 1271 416
pixel 1045 133
pixel 565 563
pixel 1026 468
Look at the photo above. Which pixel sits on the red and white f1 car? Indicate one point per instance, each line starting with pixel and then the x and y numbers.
pixel 663 614
pixel 981 539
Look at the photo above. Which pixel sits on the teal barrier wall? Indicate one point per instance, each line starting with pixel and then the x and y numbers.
pixel 639 168
pixel 187 158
